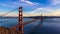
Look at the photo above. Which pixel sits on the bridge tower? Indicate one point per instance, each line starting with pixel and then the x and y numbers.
pixel 20 20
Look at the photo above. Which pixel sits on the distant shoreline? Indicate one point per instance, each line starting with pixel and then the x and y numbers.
pixel 33 17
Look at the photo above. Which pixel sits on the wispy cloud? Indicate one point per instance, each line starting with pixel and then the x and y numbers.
pixel 41 10
pixel 18 3
pixel 29 2
pixel 45 12
pixel 55 2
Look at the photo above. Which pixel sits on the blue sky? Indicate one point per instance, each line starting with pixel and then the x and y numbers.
pixel 31 7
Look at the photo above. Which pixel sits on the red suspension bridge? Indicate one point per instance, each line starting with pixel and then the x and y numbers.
pixel 21 24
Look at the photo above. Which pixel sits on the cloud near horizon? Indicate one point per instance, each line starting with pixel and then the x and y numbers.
pixel 45 12
pixel 39 11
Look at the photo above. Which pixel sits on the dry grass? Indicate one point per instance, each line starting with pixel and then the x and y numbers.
pixel 8 31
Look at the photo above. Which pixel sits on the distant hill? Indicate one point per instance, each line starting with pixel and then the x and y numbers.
pixel 33 17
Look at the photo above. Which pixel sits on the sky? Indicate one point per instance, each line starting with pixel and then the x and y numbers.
pixel 31 7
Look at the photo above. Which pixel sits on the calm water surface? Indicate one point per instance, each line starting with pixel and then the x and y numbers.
pixel 49 26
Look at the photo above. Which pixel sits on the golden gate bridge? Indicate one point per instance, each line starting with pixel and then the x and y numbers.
pixel 21 24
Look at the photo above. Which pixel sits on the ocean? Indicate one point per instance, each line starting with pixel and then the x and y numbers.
pixel 48 26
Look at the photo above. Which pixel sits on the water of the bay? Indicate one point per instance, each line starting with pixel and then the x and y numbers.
pixel 49 26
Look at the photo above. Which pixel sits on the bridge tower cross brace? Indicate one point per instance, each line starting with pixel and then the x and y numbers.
pixel 20 20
